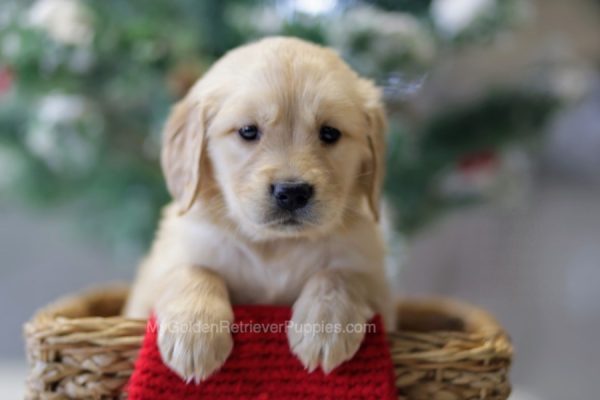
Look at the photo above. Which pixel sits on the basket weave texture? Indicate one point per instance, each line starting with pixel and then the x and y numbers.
pixel 78 347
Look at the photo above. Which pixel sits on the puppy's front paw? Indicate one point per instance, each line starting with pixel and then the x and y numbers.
pixel 194 345
pixel 325 334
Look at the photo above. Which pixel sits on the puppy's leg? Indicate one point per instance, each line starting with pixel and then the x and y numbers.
pixel 193 312
pixel 329 318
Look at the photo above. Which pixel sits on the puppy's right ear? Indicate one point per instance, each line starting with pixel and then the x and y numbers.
pixel 375 114
pixel 183 145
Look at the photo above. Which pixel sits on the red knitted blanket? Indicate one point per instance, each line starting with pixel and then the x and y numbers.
pixel 261 366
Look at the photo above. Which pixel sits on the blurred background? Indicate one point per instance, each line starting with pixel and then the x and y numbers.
pixel 493 164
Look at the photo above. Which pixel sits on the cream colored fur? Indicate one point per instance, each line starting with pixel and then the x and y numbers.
pixel 216 246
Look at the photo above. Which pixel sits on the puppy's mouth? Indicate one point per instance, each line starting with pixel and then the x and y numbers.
pixel 289 221
pixel 292 222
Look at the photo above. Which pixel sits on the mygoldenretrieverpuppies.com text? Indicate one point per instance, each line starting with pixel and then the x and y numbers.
pixel 259 328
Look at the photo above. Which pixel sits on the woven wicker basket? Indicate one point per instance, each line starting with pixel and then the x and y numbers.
pixel 80 348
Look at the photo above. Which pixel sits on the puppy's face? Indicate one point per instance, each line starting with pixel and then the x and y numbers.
pixel 290 132
pixel 285 160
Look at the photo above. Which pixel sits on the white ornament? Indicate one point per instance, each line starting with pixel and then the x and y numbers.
pixel 454 16
pixel 66 21
pixel 65 133
pixel 313 7
pixel 58 107
pixel 393 35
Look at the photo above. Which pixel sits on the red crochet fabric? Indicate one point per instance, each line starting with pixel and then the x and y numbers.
pixel 261 366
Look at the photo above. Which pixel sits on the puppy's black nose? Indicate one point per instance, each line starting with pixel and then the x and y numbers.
pixel 291 196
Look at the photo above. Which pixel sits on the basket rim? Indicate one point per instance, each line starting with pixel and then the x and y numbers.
pixel 473 319
pixel 69 309
pixel 72 308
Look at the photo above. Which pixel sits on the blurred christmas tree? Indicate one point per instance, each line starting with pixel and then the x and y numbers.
pixel 85 87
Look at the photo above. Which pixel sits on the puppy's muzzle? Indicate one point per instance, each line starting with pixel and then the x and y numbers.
pixel 292 196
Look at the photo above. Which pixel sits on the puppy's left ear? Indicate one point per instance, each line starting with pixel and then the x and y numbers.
pixel 183 145
pixel 375 166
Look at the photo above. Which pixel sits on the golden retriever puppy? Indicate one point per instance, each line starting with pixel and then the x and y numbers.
pixel 275 160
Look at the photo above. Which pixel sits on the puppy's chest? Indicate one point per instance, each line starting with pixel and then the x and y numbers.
pixel 269 274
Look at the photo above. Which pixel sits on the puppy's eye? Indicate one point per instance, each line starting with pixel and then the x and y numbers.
pixel 329 135
pixel 249 132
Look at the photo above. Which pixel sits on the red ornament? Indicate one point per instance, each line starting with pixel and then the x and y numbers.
pixel 262 366
pixel 6 79
pixel 485 159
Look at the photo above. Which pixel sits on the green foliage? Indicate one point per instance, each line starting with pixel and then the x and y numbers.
pixel 81 124
pixel 416 161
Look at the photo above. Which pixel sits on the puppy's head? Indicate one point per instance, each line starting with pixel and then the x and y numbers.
pixel 286 133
